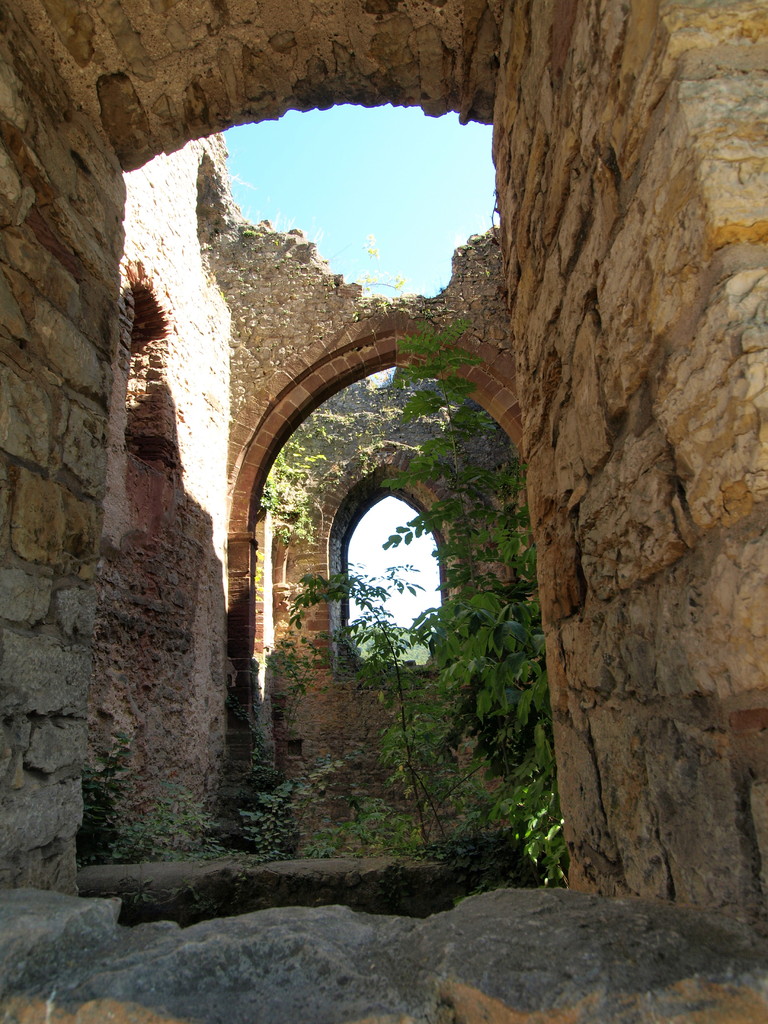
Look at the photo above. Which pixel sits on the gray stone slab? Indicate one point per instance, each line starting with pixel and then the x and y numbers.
pixel 605 961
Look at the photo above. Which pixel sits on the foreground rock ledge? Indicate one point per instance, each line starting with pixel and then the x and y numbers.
pixel 191 891
pixel 505 957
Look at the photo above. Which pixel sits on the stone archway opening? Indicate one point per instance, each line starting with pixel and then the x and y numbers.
pixel 634 224
pixel 416 565
pixel 258 615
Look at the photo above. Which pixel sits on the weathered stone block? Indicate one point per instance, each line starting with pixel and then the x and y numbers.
pixel 11 188
pixel 733 608
pixel 712 403
pixel 627 527
pixel 13 320
pixel 38 673
pixel 75 28
pixel 69 352
pixel 508 956
pixel 52 866
pixel 37 518
pixel 74 608
pixel 12 102
pixel 56 744
pixel 726 118
pixel 43 269
pixel 41 813
pixel 24 597
pixel 80 535
pixel 689 774
pixel 14 741
pixel 25 416
pixel 84 444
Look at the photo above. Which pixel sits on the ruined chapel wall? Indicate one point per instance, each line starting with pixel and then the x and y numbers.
pixel 357 442
pixel 299 334
pixel 630 168
pixel 353 444
pixel 160 637
pixel 291 314
pixel 61 198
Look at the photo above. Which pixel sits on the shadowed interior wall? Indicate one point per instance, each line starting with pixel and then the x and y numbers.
pixel 159 641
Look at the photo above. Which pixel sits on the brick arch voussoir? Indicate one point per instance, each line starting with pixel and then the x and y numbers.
pixel 381 466
pixel 357 353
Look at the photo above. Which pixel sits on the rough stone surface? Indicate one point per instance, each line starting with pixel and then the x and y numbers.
pixel 59 242
pixel 23 597
pixel 359 443
pixel 197 891
pixel 159 635
pixel 509 956
pixel 630 153
pixel 268 301
pixel 299 334
pixel 151 83
pixel 636 281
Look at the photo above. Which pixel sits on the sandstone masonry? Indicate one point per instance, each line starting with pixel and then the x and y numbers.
pixel 630 149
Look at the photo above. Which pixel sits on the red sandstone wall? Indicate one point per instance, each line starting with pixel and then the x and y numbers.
pixel 159 649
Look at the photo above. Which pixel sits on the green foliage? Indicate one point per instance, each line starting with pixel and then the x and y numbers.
pixel 270 829
pixel 174 827
pixel 471 740
pixel 271 826
pixel 104 785
pixel 287 492
pixel 375 828
pixel 485 859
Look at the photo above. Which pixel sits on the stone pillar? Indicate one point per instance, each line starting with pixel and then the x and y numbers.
pixel 61 200
pixel 630 149
pixel 241 625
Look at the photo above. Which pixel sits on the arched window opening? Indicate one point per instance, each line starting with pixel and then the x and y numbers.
pixel 416 564
pixel 150 433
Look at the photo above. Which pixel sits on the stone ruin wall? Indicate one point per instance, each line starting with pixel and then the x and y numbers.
pixel 362 443
pixel 630 153
pixel 232 294
pixel 160 632
pixel 61 197
pixel 289 310
pixel 291 314
pixel 630 160
pixel 153 76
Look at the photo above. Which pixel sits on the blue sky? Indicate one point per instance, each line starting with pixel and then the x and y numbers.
pixel 420 185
